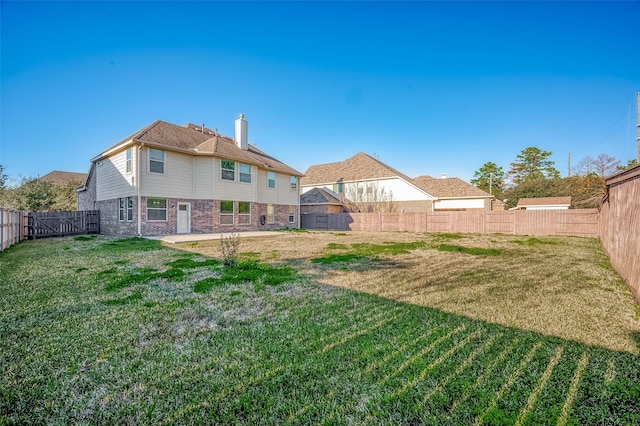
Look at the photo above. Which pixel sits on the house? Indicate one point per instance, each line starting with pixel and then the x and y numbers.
pixel 321 200
pixel 363 183
pixel 543 203
pixel 168 179
pixel 455 194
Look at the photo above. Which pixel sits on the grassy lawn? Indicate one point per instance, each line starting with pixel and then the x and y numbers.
pixel 328 328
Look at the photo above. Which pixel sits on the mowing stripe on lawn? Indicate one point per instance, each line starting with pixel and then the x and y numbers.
pixel 573 389
pixel 541 384
pixel 461 344
pixel 361 332
pixel 420 354
pixel 510 382
pixel 610 374
pixel 442 383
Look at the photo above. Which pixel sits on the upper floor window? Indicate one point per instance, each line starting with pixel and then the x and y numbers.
pixel 226 212
pixel 128 167
pixel 228 170
pixel 245 173
pixel 271 179
pixel 156 160
pixel 338 188
pixel 244 212
pixel 156 209
pixel 293 181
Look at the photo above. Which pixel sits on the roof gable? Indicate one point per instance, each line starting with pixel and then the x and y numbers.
pixel 320 196
pixel 356 168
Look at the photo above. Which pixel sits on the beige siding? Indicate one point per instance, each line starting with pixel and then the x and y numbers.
pixel 236 190
pixel 176 181
pixel 112 181
pixel 204 177
pixel 282 194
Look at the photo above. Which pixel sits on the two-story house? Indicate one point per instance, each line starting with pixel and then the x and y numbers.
pixel 167 179
pixel 363 183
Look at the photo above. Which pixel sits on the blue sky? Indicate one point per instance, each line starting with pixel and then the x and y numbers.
pixel 426 87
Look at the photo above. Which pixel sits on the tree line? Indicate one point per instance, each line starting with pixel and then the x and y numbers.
pixel 534 175
pixel 34 194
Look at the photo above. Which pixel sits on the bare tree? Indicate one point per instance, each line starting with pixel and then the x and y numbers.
pixel 602 165
pixel 368 197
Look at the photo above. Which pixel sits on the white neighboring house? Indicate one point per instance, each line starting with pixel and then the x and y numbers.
pixel 543 203
pixel 362 181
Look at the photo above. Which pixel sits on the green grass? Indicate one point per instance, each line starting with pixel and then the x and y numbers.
pixel 475 251
pixel 77 347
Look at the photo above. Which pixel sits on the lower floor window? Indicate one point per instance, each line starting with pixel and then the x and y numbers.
pixel 226 212
pixel 292 214
pixel 244 212
pixel 156 209
pixel 125 208
pixel 270 214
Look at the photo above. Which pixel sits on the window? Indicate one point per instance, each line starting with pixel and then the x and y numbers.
pixel 338 188
pixel 128 167
pixel 228 170
pixel 129 208
pixel 292 214
pixel 244 212
pixel 271 179
pixel 156 209
pixel 226 212
pixel 293 181
pixel 125 208
pixel 156 161
pixel 270 215
pixel 121 210
pixel 245 173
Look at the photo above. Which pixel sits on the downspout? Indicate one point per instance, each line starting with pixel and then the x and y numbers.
pixel 137 183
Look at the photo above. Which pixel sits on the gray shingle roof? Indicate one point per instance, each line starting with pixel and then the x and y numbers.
pixel 357 168
pixel 319 196
pixel 448 187
pixel 57 177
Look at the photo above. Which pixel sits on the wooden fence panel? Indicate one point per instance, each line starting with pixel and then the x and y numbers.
pixel 524 222
pixel 11 227
pixel 59 224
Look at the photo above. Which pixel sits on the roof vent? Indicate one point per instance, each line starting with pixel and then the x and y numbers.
pixel 443 176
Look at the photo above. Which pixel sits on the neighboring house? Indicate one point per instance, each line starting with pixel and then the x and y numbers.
pixel 364 181
pixel 320 200
pixel 543 203
pixel 168 179
pixel 455 194
pixel 57 177
pixel 360 182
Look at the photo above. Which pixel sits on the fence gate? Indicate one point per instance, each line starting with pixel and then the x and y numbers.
pixel 59 224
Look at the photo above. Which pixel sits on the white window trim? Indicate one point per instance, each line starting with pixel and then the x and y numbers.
pixel 242 215
pixel 240 173
pixel 163 161
pixel 128 161
pixel 292 214
pixel 269 180
pixel 273 214
pixel 166 210
pixel 293 183
pixel 227 214
pixel 222 170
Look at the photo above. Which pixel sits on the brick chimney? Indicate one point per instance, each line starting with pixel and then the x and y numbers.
pixel 242 133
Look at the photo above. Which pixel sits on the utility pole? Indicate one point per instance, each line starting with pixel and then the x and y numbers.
pixel 569 165
pixel 638 127
pixel 490 183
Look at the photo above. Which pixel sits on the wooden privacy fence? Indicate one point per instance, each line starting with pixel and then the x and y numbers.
pixel 11 227
pixel 577 222
pixel 59 224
